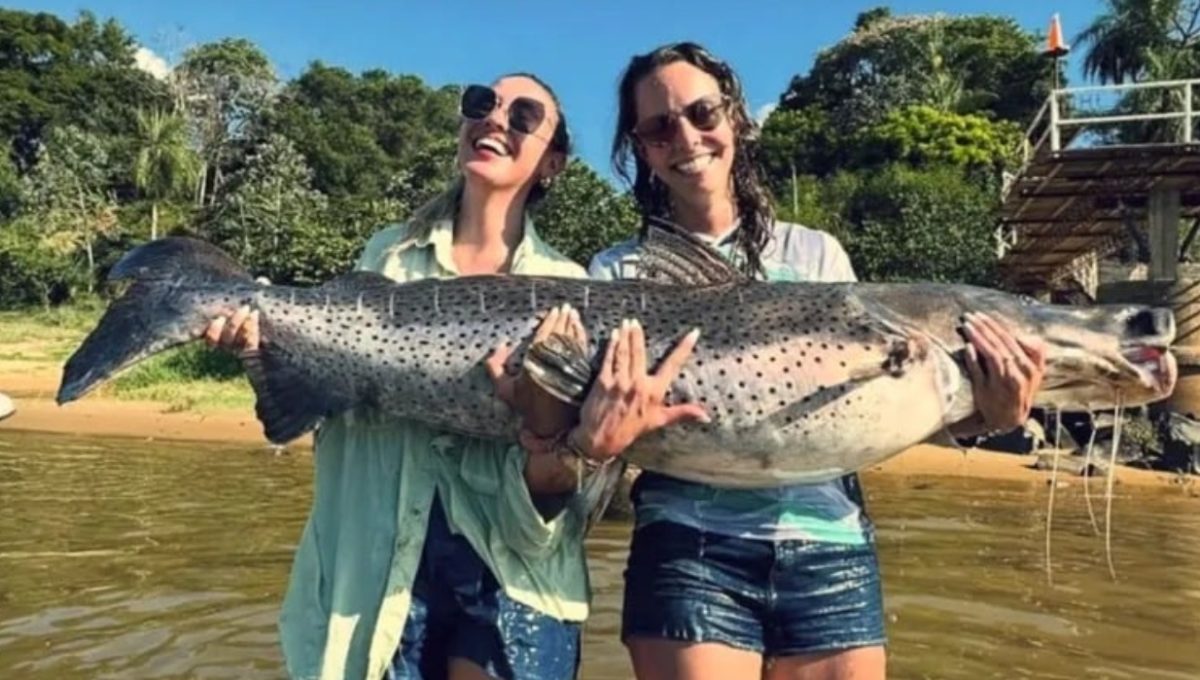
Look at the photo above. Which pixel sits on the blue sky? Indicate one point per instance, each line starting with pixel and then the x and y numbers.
pixel 578 47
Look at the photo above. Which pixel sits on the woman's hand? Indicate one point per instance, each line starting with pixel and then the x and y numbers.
pixel 1006 372
pixel 626 402
pixel 236 333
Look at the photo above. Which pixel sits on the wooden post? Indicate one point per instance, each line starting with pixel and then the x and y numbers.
pixel 1055 136
pixel 1187 112
pixel 1164 234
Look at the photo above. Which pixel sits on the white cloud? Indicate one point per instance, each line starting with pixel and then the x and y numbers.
pixel 151 63
pixel 763 111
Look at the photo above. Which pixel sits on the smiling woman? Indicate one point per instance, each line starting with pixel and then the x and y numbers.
pixel 416 565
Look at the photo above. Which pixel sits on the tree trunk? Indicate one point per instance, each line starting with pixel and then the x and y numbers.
pixel 153 220
pixel 795 192
pixel 91 258
pixel 201 182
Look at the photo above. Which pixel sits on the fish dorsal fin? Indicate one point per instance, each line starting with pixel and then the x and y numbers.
pixel 673 256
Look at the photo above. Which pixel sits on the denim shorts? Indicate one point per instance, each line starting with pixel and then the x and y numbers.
pixel 777 598
pixel 459 610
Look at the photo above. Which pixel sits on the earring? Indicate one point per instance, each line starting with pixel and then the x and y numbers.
pixel 545 183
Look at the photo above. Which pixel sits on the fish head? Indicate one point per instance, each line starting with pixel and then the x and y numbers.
pixel 1099 355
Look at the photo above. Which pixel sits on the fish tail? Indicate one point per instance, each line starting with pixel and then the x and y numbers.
pixel 178 286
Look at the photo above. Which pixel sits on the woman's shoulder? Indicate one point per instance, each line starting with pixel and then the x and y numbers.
pixel 549 260
pixel 814 254
pixel 615 261
pixel 800 237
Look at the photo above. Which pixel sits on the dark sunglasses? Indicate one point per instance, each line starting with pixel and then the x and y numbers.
pixel 704 114
pixel 524 114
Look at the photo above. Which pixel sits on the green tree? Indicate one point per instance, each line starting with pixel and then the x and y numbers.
pixel 1124 41
pixel 32 271
pixel 369 136
pixel 981 64
pixel 225 86
pixel 821 202
pixel 922 225
pixel 163 166
pixel 10 188
pixel 69 191
pixel 270 218
pixel 54 73
pixel 798 142
pixel 923 135
pixel 582 214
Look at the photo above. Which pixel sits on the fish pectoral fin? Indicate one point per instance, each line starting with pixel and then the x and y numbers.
pixel 288 402
pixel 901 352
pixel 560 366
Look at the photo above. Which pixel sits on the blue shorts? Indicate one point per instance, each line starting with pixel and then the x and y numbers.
pixel 775 598
pixel 460 610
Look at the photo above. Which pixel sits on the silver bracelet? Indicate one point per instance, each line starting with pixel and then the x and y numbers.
pixel 580 462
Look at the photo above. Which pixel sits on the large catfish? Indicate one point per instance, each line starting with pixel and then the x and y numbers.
pixel 804 382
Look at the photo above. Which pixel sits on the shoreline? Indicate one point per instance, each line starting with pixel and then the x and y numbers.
pixel 149 421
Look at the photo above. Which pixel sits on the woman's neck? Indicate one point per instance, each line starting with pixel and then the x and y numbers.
pixel 490 224
pixel 711 217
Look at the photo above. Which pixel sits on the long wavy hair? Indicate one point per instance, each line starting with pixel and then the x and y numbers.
pixel 446 204
pixel 753 205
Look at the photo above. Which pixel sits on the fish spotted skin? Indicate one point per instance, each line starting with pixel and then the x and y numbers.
pixel 803 382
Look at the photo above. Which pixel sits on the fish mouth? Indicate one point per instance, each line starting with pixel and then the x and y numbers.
pixel 1154 366
pixel 1134 374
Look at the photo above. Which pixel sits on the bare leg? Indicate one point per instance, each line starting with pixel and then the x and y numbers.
pixel 657 659
pixel 461 669
pixel 862 663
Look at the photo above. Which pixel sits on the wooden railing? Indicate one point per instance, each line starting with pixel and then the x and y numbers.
pixel 1057 120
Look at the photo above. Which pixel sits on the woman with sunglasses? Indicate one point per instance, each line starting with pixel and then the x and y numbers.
pixel 427 554
pixel 775 583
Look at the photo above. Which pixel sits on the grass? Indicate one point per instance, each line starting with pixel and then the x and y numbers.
pixel 45 335
pixel 191 377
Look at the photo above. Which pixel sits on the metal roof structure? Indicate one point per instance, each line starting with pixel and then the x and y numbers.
pixel 1079 193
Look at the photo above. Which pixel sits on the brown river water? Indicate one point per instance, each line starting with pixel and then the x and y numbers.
pixel 133 559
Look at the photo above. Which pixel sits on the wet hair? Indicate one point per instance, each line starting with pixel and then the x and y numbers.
pixel 751 201
pixel 446 204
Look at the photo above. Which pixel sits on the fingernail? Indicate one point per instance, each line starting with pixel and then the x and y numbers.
pixel 694 334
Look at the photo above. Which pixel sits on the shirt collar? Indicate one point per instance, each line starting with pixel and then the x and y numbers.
pixel 440 237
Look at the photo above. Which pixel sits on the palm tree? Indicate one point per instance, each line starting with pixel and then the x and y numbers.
pixel 164 165
pixel 1122 40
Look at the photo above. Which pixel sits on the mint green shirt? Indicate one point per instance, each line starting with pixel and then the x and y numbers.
pixel 350 589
